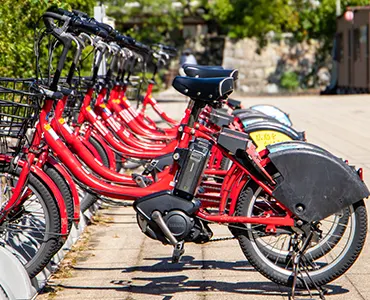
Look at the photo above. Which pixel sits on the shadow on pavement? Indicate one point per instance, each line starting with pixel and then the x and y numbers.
pixel 187 263
pixel 168 286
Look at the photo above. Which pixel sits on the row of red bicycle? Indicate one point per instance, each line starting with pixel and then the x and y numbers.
pixel 296 209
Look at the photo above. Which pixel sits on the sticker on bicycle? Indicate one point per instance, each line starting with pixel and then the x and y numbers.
pixel 51 131
pixel 116 140
pixel 106 110
pixel 154 102
pixel 262 138
pixel 158 109
pixel 126 133
pixel 101 128
pixel 126 116
pixel 133 112
pixel 65 126
pixel 115 125
pixel 91 112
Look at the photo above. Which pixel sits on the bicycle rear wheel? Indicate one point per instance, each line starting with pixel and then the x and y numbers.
pixel 337 255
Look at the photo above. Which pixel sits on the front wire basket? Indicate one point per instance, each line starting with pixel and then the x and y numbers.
pixel 20 102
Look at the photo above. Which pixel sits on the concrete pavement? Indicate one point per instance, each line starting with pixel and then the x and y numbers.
pixel 121 263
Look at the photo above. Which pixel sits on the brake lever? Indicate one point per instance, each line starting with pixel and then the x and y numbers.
pixel 85 37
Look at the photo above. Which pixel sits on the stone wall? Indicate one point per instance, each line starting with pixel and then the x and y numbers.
pixel 261 71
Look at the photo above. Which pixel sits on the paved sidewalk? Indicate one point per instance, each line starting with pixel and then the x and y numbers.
pixel 121 263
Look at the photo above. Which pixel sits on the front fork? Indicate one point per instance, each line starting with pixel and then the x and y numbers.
pixel 18 192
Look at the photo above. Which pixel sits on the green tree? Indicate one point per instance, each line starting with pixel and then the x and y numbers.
pixel 153 21
pixel 17 22
pixel 255 18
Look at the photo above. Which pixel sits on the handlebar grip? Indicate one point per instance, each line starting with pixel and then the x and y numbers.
pixel 55 16
pixel 106 27
pixel 64 12
pixel 49 18
pixel 142 48
pixel 80 13
pixel 90 28
pixel 125 40
pixel 50 94
pixel 169 48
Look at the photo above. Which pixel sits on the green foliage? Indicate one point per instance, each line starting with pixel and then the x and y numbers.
pixel 255 18
pixel 17 22
pixel 289 80
pixel 155 21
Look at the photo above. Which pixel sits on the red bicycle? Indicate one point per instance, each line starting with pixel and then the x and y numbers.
pixel 267 194
pixel 277 202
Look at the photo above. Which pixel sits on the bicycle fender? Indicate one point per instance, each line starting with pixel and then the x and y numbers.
pixel 76 200
pixel 56 193
pixel 314 183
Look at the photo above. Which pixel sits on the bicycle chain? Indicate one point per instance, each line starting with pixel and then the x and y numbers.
pixel 222 239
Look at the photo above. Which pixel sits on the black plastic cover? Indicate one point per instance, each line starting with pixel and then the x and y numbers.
pixel 220 119
pixel 235 104
pixel 233 140
pixel 164 201
pixel 314 184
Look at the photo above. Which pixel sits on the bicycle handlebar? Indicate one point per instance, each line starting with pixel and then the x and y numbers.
pixel 78 21
pixel 132 44
pixel 88 25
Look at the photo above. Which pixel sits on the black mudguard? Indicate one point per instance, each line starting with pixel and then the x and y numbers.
pixel 277 126
pixel 248 112
pixel 314 183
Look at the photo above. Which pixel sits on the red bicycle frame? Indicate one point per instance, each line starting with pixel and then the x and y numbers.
pixel 166 182
pixel 149 99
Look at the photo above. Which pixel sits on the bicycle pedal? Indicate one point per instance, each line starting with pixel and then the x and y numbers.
pixel 178 251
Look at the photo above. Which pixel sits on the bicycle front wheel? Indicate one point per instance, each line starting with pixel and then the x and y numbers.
pixel 31 230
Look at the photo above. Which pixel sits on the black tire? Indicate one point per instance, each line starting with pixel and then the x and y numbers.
pixel 100 149
pixel 64 189
pixel 119 163
pixel 87 201
pixel 38 245
pixel 281 272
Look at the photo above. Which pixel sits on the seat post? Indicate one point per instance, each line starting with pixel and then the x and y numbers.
pixel 196 108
